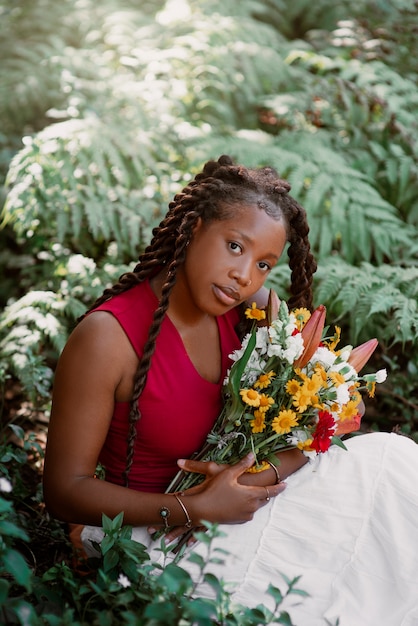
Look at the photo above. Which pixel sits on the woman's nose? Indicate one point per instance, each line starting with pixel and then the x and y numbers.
pixel 242 276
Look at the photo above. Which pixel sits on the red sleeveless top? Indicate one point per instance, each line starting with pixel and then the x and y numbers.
pixel 178 407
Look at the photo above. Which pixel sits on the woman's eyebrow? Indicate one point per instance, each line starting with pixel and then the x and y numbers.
pixel 249 239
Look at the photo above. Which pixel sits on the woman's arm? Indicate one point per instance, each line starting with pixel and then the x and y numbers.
pixel 288 462
pixel 95 369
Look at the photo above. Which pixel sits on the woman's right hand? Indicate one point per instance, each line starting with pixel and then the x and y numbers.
pixel 221 498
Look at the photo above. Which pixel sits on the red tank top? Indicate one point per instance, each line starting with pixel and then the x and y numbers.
pixel 178 407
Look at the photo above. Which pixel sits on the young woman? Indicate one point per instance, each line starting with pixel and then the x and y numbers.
pixel 138 388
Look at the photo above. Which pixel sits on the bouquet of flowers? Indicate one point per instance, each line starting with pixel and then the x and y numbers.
pixel 289 386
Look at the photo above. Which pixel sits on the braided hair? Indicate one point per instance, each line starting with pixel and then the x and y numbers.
pixel 213 195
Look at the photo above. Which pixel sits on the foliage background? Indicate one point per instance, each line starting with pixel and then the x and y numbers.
pixel 108 108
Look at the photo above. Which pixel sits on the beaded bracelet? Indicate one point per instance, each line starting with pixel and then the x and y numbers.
pixel 165 514
pixel 188 523
pixel 276 471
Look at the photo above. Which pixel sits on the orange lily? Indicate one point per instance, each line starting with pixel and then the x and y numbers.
pixel 312 334
pixel 360 355
pixel 348 426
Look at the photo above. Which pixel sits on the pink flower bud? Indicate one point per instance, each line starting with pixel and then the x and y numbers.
pixel 360 355
pixel 312 335
pixel 273 306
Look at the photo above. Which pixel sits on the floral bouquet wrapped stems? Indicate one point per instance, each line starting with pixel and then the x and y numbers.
pixel 289 387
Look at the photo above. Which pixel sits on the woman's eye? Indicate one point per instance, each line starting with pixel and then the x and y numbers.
pixel 234 246
pixel 265 267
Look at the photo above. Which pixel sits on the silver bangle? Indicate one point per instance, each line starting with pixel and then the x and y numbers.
pixel 276 471
pixel 188 523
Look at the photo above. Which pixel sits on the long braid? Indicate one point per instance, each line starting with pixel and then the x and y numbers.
pixel 214 194
pixel 301 260
pixel 149 348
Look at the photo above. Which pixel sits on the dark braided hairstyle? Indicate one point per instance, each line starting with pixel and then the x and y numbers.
pixel 214 194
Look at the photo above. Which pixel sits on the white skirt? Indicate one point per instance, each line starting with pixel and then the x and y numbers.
pixel 347 524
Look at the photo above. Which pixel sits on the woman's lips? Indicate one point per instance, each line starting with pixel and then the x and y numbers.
pixel 227 295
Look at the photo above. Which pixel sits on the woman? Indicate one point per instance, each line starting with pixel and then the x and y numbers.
pixel 138 385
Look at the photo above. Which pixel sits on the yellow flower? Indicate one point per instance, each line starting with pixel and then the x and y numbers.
pixel 371 388
pixel 332 343
pixel 292 386
pixel 250 396
pixel 284 422
pixel 302 399
pixel 302 315
pixel 321 373
pixel 305 445
pixel 265 402
pixel 258 424
pixel 306 395
pixel 349 410
pixel 264 380
pixel 252 313
pixel 355 395
pixel 313 384
pixel 254 469
pixel 337 378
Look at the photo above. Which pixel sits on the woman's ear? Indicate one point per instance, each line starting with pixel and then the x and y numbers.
pixel 197 226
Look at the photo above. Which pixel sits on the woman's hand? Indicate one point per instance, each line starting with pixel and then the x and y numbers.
pixel 221 497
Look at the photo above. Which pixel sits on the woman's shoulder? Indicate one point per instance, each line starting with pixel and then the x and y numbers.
pixel 139 297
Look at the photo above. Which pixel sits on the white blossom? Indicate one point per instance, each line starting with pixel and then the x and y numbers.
pixel 343 394
pixel 344 369
pixel 345 353
pixel 300 436
pixel 5 485
pixel 262 340
pixel 124 581
pixel 324 356
pixel 381 376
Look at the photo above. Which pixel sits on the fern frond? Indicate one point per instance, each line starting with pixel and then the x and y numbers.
pixel 375 301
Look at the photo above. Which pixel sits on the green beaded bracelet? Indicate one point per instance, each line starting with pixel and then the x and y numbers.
pixel 165 514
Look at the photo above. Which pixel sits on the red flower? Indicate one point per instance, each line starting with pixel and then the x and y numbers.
pixel 323 432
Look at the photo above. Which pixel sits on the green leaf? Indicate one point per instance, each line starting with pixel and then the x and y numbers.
pixel 197 559
pixel 4 590
pixel 10 529
pixel 110 560
pixel 239 366
pixel 336 441
pixel 175 579
pixel 15 564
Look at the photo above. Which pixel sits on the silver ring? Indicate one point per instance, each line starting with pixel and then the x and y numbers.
pixel 268 494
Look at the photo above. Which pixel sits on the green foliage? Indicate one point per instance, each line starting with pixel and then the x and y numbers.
pixel 381 300
pixel 107 108
pixel 126 587
pixel 87 193
pixel 115 106
pixel 35 327
pixel 122 585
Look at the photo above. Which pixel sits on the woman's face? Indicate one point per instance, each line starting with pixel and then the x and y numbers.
pixel 228 261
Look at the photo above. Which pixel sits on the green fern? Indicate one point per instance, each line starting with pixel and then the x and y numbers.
pixel 380 301
pixel 345 211
pixel 84 209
